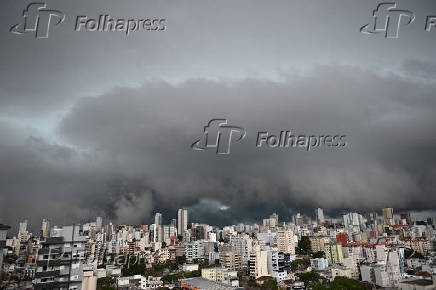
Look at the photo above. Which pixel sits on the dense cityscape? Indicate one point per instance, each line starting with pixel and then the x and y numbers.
pixel 368 251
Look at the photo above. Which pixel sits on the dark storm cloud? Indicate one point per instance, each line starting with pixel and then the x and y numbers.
pixel 131 155
pixel 388 120
pixel 40 180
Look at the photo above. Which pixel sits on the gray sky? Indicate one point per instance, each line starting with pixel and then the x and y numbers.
pixel 100 123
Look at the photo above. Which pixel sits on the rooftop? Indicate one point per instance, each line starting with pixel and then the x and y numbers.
pixel 420 282
pixel 201 283
pixel 4 227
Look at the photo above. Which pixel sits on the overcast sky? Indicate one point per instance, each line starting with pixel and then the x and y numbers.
pixel 100 123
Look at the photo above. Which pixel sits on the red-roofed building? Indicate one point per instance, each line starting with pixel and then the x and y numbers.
pixel 342 237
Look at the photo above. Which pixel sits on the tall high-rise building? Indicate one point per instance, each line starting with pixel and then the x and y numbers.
pixel 333 252
pixel 274 220
pixel 158 219
pixel 99 223
pixel 242 246
pixel 372 218
pixel 285 241
pixel 194 250
pixel 406 219
pixel 352 219
pixel 388 216
pixel 231 260
pixel 279 263
pixel 45 228
pixel 317 243
pixel 182 221
pixel 22 227
pixel 3 232
pixel 158 230
pixel 258 263
pixel 319 214
pixel 60 260
pixel 300 220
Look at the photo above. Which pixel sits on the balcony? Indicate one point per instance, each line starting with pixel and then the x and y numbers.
pixel 53 263
pixel 46 274
pixel 53 241
pixel 51 285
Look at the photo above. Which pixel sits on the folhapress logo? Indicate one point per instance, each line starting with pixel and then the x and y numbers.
pixel 387 19
pixel 38 20
pixel 219 134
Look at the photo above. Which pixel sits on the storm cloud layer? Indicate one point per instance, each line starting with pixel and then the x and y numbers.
pixel 130 154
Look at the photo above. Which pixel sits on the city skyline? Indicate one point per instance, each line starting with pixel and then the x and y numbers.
pixel 169 218
pixel 381 249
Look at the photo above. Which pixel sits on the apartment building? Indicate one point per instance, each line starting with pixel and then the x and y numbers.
pixel 60 260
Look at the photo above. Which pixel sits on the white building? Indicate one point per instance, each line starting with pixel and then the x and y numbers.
pixel 158 230
pixel 276 265
pixel 285 241
pixel 182 221
pixel 319 264
pixel 351 263
pixel 342 271
pixel 136 281
pixel 243 245
pixel 212 237
pixel 189 267
pixel 258 265
pixel 319 214
pixel 194 250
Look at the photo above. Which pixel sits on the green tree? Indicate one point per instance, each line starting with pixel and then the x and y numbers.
pixel 171 278
pixel 319 254
pixel 192 274
pixel 409 253
pixel 132 268
pixel 106 283
pixel 298 264
pixel 341 283
pixel 309 278
pixel 411 272
pixel 344 283
pixel 181 259
pixel 304 245
pixel 270 285
pixel 174 266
